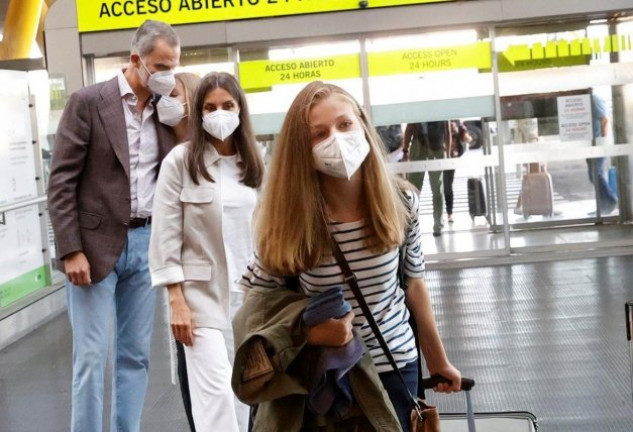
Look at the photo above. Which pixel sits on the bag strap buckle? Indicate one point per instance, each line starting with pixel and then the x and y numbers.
pixel 418 410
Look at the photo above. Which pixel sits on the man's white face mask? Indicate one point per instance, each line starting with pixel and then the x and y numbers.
pixel 341 154
pixel 161 82
pixel 170 110
pixel 221 124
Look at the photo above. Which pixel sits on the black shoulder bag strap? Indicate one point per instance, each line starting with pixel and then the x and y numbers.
pixel 351 280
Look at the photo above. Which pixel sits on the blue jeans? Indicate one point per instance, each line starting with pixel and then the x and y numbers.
pixel 607 198
pixel 397 393
pixel 124 301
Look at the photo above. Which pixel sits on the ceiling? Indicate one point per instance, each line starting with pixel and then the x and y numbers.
pixel 4 5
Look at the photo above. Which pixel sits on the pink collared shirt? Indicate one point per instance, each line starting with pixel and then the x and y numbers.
pixel 143 144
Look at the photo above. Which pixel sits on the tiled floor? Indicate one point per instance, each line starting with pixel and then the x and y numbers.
pixel 473 239
pixel 546 337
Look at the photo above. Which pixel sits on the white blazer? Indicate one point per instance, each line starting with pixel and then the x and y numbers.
pixel 186 244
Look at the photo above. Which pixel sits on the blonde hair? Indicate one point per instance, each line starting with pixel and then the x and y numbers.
pixel 190 82
pixel 291 229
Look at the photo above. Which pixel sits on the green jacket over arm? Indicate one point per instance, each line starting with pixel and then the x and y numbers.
pixel 272 318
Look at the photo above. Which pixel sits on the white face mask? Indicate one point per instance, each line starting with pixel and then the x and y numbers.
pixel 161 82
pixel 220 124
pixel 170 111
pixel 341 154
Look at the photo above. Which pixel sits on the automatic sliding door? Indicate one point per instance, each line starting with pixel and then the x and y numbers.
pixel 562 92
pixel 424 83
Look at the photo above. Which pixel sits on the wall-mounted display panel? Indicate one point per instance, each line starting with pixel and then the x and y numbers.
pixel 23 269
pixel 17 162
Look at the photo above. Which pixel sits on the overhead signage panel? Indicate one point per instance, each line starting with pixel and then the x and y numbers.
pixel 560 53
pixel 430 59
pixel 266 73
pixel 101 15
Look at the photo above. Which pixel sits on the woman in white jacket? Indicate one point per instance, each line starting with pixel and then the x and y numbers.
pixel 201 241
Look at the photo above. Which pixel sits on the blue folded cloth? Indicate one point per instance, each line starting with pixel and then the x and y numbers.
pixel 330 389
pixel 326 305
pixel 326 368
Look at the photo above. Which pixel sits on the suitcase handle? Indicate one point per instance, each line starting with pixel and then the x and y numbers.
pixel 628 308
pixel 434 380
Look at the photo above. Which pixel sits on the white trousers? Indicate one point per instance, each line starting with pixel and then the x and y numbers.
pixel 209 373
pixel 209 367
pixel 241 410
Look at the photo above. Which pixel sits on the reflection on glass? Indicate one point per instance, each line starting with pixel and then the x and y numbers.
pixel 427 83
pixel 559 88
pixel 200 61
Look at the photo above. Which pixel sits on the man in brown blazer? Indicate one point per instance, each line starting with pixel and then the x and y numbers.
pixel 108 149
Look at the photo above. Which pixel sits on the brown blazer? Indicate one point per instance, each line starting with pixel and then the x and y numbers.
pixel 89 187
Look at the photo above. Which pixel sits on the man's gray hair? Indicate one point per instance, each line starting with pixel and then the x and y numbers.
pixel 144 40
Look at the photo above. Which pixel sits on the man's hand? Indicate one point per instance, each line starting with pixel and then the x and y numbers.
pixel 335 332
pixel 77 268
pixel 405 155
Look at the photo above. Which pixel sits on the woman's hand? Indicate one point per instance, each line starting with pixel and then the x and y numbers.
pixel 181 319
pixel 334 332
pixel 450 372
pixel 419 302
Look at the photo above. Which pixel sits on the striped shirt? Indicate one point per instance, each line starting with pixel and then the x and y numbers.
pixel 377 276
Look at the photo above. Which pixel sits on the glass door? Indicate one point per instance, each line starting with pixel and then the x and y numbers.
pixel 558 87
pixel 438 88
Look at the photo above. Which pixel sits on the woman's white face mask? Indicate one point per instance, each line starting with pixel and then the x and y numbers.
pixel 170 110
pixel 341 154
pixel 221 124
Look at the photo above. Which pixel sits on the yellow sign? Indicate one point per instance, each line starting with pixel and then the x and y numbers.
pixel 99 15
pixel 563 48
pixel 543 63
pixel 476 55
pixel 265 73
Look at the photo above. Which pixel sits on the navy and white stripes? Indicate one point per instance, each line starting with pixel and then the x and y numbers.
pixel 377 276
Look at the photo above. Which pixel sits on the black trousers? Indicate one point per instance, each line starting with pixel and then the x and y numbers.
pixel 184 383
pixel 449 175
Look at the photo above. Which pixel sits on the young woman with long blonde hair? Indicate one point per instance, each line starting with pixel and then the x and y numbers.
pixel 328 178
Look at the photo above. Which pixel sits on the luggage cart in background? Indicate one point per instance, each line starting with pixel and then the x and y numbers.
pixel 502 421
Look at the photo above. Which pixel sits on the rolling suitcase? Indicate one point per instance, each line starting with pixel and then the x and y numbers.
pixel 476 198
pixel 503 421
pixel 537 194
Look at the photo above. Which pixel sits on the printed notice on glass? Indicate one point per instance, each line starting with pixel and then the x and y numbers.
pixel 574 118
pixel 17 161
pixel 22 267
